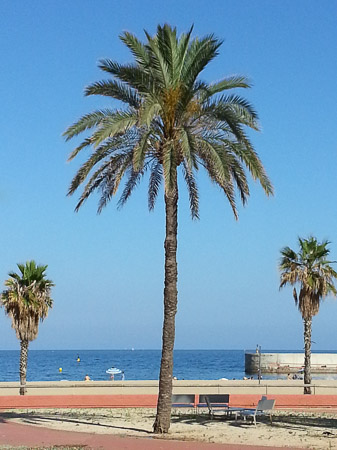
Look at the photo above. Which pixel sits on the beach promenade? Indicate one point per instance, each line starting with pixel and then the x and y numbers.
pixel 131 394
pixel 120 415
pixel 15 435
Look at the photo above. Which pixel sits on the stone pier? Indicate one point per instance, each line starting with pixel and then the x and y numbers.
pixel 290 362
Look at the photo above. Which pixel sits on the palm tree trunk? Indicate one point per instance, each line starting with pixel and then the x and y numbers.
pixel 307 354
pixel 163 417
pixel 23 364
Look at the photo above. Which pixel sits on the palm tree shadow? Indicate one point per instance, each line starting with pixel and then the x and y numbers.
pixel 194 419
pixel 43 419
pixel 292 421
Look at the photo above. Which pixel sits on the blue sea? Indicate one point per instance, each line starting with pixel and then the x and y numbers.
pixel 44 365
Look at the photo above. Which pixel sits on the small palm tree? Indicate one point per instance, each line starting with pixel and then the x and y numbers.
pixel 309 269
pixel 171 121
pixel 27 301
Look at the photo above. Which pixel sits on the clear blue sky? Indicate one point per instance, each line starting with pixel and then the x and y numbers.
pixel 108 269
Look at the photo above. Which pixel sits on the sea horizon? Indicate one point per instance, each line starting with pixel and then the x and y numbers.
pixel 137 364
pixel 77 349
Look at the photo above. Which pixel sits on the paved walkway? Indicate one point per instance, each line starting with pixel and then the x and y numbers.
pixel 15 435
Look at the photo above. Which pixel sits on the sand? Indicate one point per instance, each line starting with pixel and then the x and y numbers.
pixel 312 430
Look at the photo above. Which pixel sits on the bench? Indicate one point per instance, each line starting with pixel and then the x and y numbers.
pixel 215 403
pixel 183 401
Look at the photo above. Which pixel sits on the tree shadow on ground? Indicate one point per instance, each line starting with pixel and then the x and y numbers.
pixel 45 418
pixel 195 419
pixel 287 421
pixel 305 420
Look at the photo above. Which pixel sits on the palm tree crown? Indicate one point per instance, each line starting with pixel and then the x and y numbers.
pixel 312 271
pixel 171 119
pixel 27 299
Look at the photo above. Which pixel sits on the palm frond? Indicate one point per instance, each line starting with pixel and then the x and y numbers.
pixel 119 122
pixel 86 143
pixel 232 82
pixel 243 110
pixel 140 150
pixel 106 171
pixel 154 183
pixel 86 122
pixel 217 172
pixel 132 74
pixel 253 163
pixel 104 150
pixel 200 53
pixel 159 66
pixel 207 151
pixel 137 48
pixel 112 180
pixel 192 188
pixel 114 89
pixel 133 179
pixel 182 50
pixel 148 111
pixel 188 148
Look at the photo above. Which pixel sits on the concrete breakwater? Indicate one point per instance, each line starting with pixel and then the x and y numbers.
pixel 289 362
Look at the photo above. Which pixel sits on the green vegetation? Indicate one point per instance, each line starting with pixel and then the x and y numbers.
pixel 27 301
pixel 171 121
pixel 309 269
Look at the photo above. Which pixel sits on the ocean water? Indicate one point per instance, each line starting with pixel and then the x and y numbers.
pixel 43 365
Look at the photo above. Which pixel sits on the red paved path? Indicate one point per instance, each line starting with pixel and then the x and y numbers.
pixel 13 434
pixel 150 401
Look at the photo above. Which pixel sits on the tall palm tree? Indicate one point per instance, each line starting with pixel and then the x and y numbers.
pixel 171 120
pixel 27 301
pixel 309 269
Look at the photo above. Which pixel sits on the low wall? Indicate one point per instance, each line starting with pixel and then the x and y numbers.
pixel 290 362
pixel 123 388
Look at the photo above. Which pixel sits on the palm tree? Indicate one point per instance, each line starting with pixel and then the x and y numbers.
pixel 309 269
pixel 27 301
pixel 171 120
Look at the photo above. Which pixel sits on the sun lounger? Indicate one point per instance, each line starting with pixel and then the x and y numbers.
pixel 264 407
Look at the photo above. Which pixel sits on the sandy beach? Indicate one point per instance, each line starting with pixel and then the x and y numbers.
pixel 310 430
